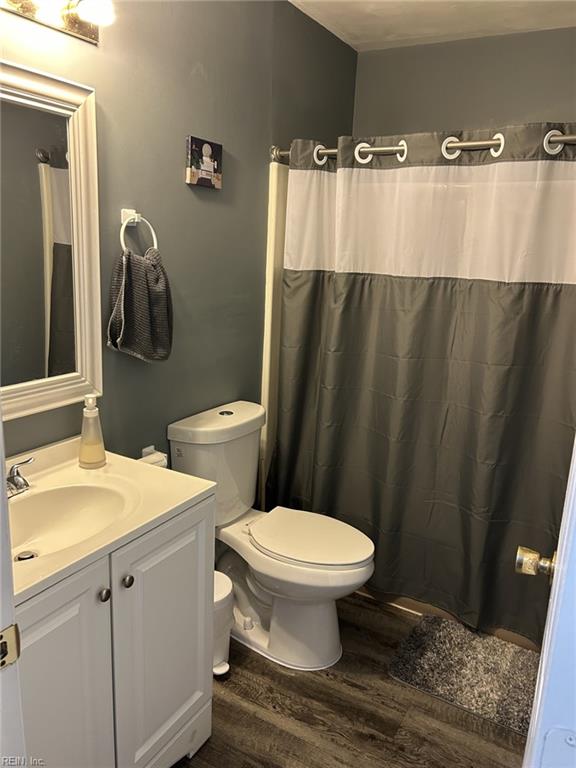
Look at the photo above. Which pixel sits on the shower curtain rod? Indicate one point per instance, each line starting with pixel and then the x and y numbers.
pixel 278 155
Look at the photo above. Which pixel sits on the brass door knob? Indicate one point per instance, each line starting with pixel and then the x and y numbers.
pixel 531 563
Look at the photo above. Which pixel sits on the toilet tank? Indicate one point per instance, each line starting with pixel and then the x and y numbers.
pixel 221 444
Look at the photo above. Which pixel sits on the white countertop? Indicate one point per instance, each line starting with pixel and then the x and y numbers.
pixel 155 495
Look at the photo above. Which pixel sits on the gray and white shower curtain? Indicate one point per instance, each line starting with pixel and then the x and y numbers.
pixel 427 388
pixel 59 342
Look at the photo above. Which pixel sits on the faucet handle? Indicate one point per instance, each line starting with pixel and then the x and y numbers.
pixel 15 468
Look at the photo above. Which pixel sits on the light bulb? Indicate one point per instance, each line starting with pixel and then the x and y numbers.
pixel 98 12
pixel 49 12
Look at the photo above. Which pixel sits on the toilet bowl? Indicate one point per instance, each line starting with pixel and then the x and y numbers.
pixel 288 567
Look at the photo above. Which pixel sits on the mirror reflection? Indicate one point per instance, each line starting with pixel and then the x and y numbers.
pixel 36 268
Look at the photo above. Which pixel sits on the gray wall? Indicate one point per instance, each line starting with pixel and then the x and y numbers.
pixel 467 84
pixel 246 74
pixel 23 130
pixel 313 79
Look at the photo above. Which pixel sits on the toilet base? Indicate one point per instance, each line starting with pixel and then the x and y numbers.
pixel 302 635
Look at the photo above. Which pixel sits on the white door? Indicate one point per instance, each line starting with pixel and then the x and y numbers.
pixel 11 727
pixel 162 587
pixel 551 739
pixel 66 672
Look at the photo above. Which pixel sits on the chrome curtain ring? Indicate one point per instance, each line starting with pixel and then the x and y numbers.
pixel 320 160
pixel 362 159
pixel 450 154
pixel 497 152
pixel 401 156
pixel 552 149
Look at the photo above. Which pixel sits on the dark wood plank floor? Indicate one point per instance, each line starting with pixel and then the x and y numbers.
pixel 350 716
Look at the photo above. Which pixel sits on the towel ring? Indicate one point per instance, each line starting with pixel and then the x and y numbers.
pixel 137 218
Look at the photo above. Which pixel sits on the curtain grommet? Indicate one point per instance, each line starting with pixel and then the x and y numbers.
pixel 358 157
pixel 552 149
pixel 319 160
pixel 498 152
pixel 401 156
pixel 450 155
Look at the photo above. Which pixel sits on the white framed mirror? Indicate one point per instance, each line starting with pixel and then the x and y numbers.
pixel 51 353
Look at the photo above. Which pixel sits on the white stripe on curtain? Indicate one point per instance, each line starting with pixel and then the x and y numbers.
pixel 60 181
pixel 310 220
pixel 499 221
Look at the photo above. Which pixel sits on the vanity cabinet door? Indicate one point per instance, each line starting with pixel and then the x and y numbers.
pixel 66 672
pixel 162 587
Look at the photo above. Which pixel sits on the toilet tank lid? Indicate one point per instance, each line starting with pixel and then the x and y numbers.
pixel 220 424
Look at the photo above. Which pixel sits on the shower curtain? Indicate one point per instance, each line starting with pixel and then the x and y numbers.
pixel 427 388
pixel 59 335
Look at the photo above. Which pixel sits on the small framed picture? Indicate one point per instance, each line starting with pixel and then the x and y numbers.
pixel 203 163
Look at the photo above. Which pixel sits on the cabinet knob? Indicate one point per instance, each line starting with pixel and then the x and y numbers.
pixel 127 581
pixel 104 595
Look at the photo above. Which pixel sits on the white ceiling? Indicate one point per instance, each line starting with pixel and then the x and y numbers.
pixel 368 26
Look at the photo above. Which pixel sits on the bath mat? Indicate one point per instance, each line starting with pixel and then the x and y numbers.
pixel 483 674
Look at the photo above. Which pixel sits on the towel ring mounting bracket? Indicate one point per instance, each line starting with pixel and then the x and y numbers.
pixel 131 217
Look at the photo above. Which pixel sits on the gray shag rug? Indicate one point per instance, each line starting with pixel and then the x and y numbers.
pixel 483 674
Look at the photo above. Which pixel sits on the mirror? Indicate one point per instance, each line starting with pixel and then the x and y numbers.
pixel 37 284
pixel 50 353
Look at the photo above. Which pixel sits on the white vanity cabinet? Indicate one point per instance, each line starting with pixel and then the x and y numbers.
pixel 66 672
pixel 162 586
pixel 124 680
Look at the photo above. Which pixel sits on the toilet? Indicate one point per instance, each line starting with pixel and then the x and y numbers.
pixel 288 567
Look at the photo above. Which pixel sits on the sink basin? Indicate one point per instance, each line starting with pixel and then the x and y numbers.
pixel 71 517
pixel 50 520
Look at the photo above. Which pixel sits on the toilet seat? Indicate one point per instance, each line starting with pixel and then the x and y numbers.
pixel 310 539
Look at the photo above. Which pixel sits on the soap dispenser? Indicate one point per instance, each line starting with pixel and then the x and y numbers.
pixel 92 454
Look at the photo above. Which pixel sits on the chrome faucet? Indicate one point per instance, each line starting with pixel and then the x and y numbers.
pixel 15 483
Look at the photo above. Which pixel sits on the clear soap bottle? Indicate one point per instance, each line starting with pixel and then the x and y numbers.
pixel 92 454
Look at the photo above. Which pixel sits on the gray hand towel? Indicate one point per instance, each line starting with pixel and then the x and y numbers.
pixel 141 319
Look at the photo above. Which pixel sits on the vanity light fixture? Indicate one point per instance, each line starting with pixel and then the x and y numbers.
pixel 81 18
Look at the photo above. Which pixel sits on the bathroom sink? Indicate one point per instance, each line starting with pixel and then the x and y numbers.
pixel 47 521
pixel 70 517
